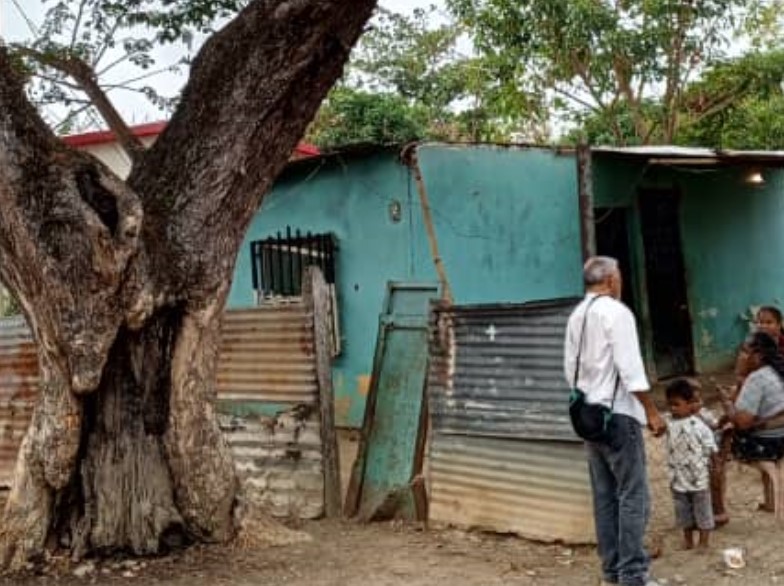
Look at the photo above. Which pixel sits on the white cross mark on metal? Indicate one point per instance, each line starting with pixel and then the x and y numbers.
pixel 491 332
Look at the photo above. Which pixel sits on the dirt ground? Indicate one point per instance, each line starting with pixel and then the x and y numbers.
pixel 348 554
pixel 389 554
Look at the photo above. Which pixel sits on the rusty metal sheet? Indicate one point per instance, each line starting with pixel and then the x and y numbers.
pixel 267 356
pixel 268 361
pixel 535 489
pixel 18 390
pixel 501 371
pixel 503 455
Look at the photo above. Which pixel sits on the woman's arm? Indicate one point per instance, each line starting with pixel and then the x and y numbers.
pixel 742 413
pixel 743 420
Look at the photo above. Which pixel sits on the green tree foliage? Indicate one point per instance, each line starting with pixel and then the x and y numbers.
pixel 612 126
pixel 414 57
pixel 606 59
pixel 737 103
pixel 415 77
pixel 351 116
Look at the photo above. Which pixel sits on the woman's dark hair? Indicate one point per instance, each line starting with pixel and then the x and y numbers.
pixel 774 311
pixel 768 350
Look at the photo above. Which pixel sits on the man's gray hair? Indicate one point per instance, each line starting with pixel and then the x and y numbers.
pixel 598 269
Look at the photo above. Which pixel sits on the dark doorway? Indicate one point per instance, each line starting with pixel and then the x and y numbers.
pixel 665 278
pixel 612 239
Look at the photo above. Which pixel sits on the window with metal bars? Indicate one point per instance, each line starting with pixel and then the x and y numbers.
pixel 278 264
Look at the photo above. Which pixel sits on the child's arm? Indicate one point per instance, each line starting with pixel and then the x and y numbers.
pixel 707 439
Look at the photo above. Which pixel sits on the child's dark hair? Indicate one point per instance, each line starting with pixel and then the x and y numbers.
pixel 774 311
pixel 680 389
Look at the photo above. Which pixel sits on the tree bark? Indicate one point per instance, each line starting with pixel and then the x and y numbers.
pixel 124 286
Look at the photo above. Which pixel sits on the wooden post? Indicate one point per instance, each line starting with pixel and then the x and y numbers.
pixel 316 295
pixel 585 195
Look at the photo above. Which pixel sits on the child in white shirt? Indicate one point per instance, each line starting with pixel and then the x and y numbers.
pixel 690 444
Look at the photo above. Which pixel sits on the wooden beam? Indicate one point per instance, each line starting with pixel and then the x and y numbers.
pixel 317 298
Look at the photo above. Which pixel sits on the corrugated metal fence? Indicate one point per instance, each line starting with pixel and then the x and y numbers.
pixel 18 390
pixel 502 453
pixel 267 358
pixel 267 362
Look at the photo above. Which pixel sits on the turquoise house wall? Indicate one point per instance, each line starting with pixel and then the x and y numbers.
pixel 506 220
pixel 349 198
pixel 732 233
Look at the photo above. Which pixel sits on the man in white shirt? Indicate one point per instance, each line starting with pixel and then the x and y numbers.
pixel 612 373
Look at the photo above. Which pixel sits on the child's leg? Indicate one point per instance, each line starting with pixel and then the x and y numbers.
pixel 684 517
pixel 703 515
pixel 688 538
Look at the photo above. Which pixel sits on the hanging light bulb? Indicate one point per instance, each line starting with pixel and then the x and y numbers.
pixel 755 177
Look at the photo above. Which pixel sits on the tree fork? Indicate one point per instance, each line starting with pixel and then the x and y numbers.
pixel 124 286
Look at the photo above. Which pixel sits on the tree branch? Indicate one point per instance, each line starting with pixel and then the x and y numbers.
pixel 70 116
pixel 77 24
pixel 64 219
pixel 579 100
pixel 251 94
pixel 108 37
pixel 674 66
pixel 122 59
pixel 126 83
pixel 85 78
pixel 622 71
pixel 54 80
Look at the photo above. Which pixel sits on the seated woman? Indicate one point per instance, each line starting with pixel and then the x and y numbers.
pixel 756 412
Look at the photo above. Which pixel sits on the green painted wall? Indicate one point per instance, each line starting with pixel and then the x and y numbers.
pixel 507 222
pixel 732 237
pixel 506 219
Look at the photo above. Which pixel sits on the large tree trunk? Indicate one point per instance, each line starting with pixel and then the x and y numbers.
pixel 124 286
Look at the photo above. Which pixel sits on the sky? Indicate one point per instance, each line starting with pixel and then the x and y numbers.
pixel 135 108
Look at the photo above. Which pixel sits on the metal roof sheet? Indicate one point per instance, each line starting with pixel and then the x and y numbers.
pixel 687 154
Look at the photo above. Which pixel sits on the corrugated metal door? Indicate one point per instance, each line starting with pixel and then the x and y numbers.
pixel 392 432
pixel 503 455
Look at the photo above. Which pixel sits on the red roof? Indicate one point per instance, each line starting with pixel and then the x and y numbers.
pixel 302 151
pixel 104 136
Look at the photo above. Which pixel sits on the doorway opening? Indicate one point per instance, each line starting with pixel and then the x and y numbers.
pixel 612 239
pixel 665 277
